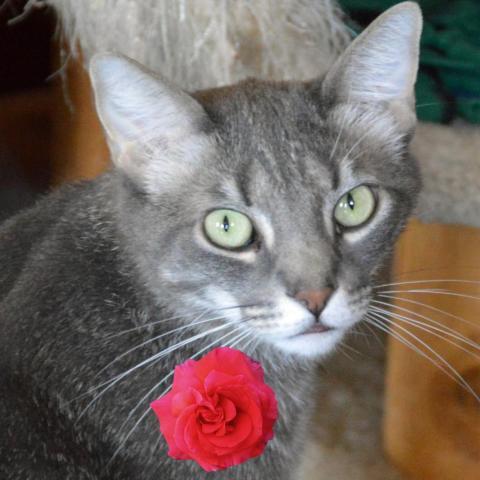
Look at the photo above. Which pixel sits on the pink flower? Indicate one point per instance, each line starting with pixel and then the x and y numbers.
pixel 219 411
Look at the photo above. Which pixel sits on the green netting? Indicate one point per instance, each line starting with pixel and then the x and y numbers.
pixel 449 78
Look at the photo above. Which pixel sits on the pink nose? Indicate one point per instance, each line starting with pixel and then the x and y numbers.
pixel 314 300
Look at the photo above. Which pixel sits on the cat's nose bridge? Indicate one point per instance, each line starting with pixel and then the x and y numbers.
pixel 305 266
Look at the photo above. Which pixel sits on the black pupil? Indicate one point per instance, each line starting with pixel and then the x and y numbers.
pixel 226 224
pixel 350 201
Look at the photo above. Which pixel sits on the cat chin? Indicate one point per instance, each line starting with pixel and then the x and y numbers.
pixel 310 345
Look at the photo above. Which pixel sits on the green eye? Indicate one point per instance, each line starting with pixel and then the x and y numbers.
pixel 355 207
pixel 228 229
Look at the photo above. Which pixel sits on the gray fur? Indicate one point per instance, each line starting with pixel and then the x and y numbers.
pixel 98 258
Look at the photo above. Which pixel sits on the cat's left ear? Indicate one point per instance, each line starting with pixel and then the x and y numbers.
pixel 155 131
pixel 379 68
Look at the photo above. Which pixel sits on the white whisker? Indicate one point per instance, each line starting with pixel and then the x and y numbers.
pixel 242 336
pixel 335 145
pixel 248 343
pixel 151 340
pixel 434 292
pixel 341 346
pixel 434 331
pixel 342 126
pixel 150 324
pixel 374 333
pixel 355 145
pixel 436 280
pixel 459 379
pixel 153 358
pixel 255 345
pixel 169 319
pixel 122 443
pixel 246 340
pixel 439 326
pixel 383 326
pixel 430 307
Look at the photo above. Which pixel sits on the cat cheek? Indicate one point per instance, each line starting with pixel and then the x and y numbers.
pixel 341 313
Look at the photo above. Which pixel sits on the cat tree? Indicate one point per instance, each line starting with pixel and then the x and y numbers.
pixel 200 43
pixel 207 43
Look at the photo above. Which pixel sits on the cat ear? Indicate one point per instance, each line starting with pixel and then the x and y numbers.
pixel 154 130
pixel 380 66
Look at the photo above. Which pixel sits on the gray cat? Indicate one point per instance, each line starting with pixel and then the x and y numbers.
pixel 255 215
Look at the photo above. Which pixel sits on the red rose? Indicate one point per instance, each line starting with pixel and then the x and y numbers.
pixel 219 411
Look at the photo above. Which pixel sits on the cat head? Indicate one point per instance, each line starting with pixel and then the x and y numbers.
pixel 268 206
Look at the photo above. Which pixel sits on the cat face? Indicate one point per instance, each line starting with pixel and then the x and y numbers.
pixel 268 206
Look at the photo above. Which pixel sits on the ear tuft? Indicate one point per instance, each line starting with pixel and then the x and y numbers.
pixel 153 128
pixel 380 66
pixel 134 103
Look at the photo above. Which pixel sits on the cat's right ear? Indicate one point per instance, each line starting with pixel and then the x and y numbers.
pixel 379 68
pixel 155 131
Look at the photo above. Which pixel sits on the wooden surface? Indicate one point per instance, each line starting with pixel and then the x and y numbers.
pixel 432 424
pixel 80 150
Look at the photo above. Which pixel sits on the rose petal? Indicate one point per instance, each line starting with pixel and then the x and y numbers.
pixel 241 430
pixel 216 379
pixel 229 409
pixel 240 395
pixel 185 378
pixel 231 362
pixel 190 435
pixel 206 415
pixel 207 466
pixel 181 400
pixel 182 442
pixel 221 431
pixel 208 428
pixel 162 409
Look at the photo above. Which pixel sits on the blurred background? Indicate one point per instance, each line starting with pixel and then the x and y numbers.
pixel 26 117
pixel 49 132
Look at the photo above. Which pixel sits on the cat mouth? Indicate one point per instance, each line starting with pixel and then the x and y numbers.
pixel 317 327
